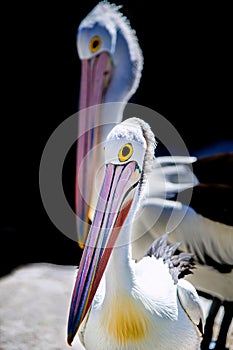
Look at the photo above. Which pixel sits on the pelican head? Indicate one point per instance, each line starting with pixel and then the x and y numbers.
pixel 110 56
pixel 111 62
pixel 129 152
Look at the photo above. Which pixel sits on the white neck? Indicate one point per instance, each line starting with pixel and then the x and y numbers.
pixel 119 273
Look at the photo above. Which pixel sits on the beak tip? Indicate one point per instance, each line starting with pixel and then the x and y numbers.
pixel 70 339
pixel 81 245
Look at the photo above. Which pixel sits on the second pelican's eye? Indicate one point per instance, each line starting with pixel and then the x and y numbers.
pixel 95 43
pixel 125 152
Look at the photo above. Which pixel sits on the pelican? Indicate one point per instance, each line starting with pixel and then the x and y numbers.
pixel 117 303
pixel 112 62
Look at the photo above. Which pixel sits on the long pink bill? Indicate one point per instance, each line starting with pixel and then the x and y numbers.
pixel 95 78
pixel 114 203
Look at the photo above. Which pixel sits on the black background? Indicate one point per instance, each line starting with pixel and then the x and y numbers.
pixel 187 77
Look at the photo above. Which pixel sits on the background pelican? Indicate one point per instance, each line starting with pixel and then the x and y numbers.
pixel 116 44
pixel 137 306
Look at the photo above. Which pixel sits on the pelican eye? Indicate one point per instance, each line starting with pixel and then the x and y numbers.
pixel 125 152
pixel 95 43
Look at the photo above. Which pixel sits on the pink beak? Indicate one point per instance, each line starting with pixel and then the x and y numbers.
pixel 115 200
pixel 95 77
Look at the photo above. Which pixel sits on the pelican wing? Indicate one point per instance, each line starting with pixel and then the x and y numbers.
pixel 179 264
pixel 190 303
pixel 171 175
pixel 210 180
pixel 168 265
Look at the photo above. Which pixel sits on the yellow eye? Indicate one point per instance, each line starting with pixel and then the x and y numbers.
pixel 95 43
pixel 125 152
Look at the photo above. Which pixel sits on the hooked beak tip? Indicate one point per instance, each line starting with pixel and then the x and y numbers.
pixel 70 339
pixel 81 245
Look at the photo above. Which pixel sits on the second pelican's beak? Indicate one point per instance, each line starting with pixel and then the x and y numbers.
pixel 116 197
pixel 95 77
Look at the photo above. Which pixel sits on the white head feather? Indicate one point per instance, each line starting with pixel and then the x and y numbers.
pixel 108 22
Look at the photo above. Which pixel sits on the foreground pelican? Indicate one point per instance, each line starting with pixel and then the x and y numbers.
pixel 111 70
pixel 122 304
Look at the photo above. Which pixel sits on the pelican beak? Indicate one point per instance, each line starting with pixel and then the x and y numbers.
pixel 95 78
pixel 116 197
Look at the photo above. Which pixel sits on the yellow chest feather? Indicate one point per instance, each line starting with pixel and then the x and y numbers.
pixel 124 320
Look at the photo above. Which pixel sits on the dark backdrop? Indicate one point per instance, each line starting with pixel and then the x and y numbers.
pixel 187 77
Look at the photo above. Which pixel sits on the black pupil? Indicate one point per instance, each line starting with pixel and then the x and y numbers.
pixel 125 151
pixel 95 44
